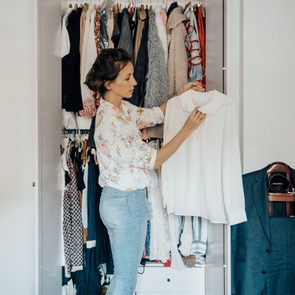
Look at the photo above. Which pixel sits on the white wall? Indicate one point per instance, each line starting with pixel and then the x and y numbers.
pixel 268 83
pixel 18 151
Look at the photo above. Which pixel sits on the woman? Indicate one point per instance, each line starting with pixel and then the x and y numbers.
pixel 124 160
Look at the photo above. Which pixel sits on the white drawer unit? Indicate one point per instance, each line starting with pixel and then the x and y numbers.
pixel 164 280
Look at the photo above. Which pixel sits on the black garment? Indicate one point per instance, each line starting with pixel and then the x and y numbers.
pixel 71 89
pixel 87 281
pixel 92 198
pixel 103 247
pixel 80 173
pixel 141 68
pixel 91 142
pixel 171 7
pixel 125 41
pixel 117 29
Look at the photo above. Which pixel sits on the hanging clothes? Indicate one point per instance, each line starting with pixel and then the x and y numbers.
pixel 141 69
pixel 138 36
pixel 157 84
pixel 171 8
pixel 88 56
pixel 91 201
pixel 159 233
pixel 110 28
pixel 72 224
pixel 104 38
pixel 87 281
pixel 195 69
pixel 97 31
pixel 71 90
pixel 125 41
pixel 65 40
pixel 82 25
pixel 177 55
pixel 161 22
pixel 199 12
pixel 117 28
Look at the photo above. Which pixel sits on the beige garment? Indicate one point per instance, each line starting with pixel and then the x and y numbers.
pixel 177 53
pixel 110 28
pixel 138 36
pixel 82 26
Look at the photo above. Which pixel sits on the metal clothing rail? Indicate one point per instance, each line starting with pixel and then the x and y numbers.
pixel 164 3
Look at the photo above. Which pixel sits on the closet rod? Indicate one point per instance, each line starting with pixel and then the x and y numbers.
pixel 164 3
pixel 75 131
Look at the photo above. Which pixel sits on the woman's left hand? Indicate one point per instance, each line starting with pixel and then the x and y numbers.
pixel 195 85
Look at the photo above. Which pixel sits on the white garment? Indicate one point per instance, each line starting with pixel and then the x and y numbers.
pixel 200 236
pixel 88 55
pixel 203 177
pixel 84 208
pixel 159 237
pixel 69 289
pixel 186 238
pixel 62 47
pixel 175 230
pixel 161 31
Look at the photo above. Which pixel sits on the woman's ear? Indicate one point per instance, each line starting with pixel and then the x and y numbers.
pixel 108 85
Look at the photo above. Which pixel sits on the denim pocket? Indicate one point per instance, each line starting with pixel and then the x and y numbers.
pixel 114 211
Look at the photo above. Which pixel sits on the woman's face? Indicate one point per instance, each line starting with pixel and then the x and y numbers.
pixel 124 84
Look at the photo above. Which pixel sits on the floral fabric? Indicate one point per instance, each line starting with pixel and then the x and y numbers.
pixel 124 159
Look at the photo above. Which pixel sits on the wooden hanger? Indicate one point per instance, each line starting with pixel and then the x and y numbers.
pixel 287 198
pixel 85 6
pixel 189 4
pixel 142 13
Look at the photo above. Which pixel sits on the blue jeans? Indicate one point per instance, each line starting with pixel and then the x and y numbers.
pixel 125 216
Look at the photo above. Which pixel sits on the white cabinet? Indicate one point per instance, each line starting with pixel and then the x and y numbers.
pixel 163 280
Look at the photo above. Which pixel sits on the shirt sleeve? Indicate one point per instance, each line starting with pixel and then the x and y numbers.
pixel 125 148
pixel 147 117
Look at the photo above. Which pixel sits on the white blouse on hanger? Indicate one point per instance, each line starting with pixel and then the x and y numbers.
pixel 203 177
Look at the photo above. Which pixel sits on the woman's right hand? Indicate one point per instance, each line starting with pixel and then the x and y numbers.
pixel 195 119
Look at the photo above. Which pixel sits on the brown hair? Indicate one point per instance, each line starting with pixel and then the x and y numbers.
pixel 106 67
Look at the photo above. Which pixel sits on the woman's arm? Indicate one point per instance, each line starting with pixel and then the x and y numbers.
pixel 193 122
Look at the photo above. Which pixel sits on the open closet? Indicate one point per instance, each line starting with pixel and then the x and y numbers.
pixel 213 278
pixel 255 57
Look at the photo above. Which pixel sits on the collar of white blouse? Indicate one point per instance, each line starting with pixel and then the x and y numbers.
pixel 209 102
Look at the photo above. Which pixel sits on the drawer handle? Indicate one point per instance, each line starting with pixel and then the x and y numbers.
pixel 168 280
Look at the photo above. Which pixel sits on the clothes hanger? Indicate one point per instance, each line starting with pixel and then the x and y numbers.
pixel 142 13
pixel 187 5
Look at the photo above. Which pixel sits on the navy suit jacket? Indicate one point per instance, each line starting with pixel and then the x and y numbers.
pixel 250 240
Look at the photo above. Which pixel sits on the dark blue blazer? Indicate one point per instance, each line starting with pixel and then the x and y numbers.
pixel 250 240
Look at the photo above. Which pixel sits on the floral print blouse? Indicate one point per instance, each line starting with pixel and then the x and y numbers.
pixel 124 159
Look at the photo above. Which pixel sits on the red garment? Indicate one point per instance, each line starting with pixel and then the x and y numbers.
pixel 97 31
pixel 202 37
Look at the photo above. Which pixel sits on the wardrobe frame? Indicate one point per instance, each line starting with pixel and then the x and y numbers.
pixel 224 45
